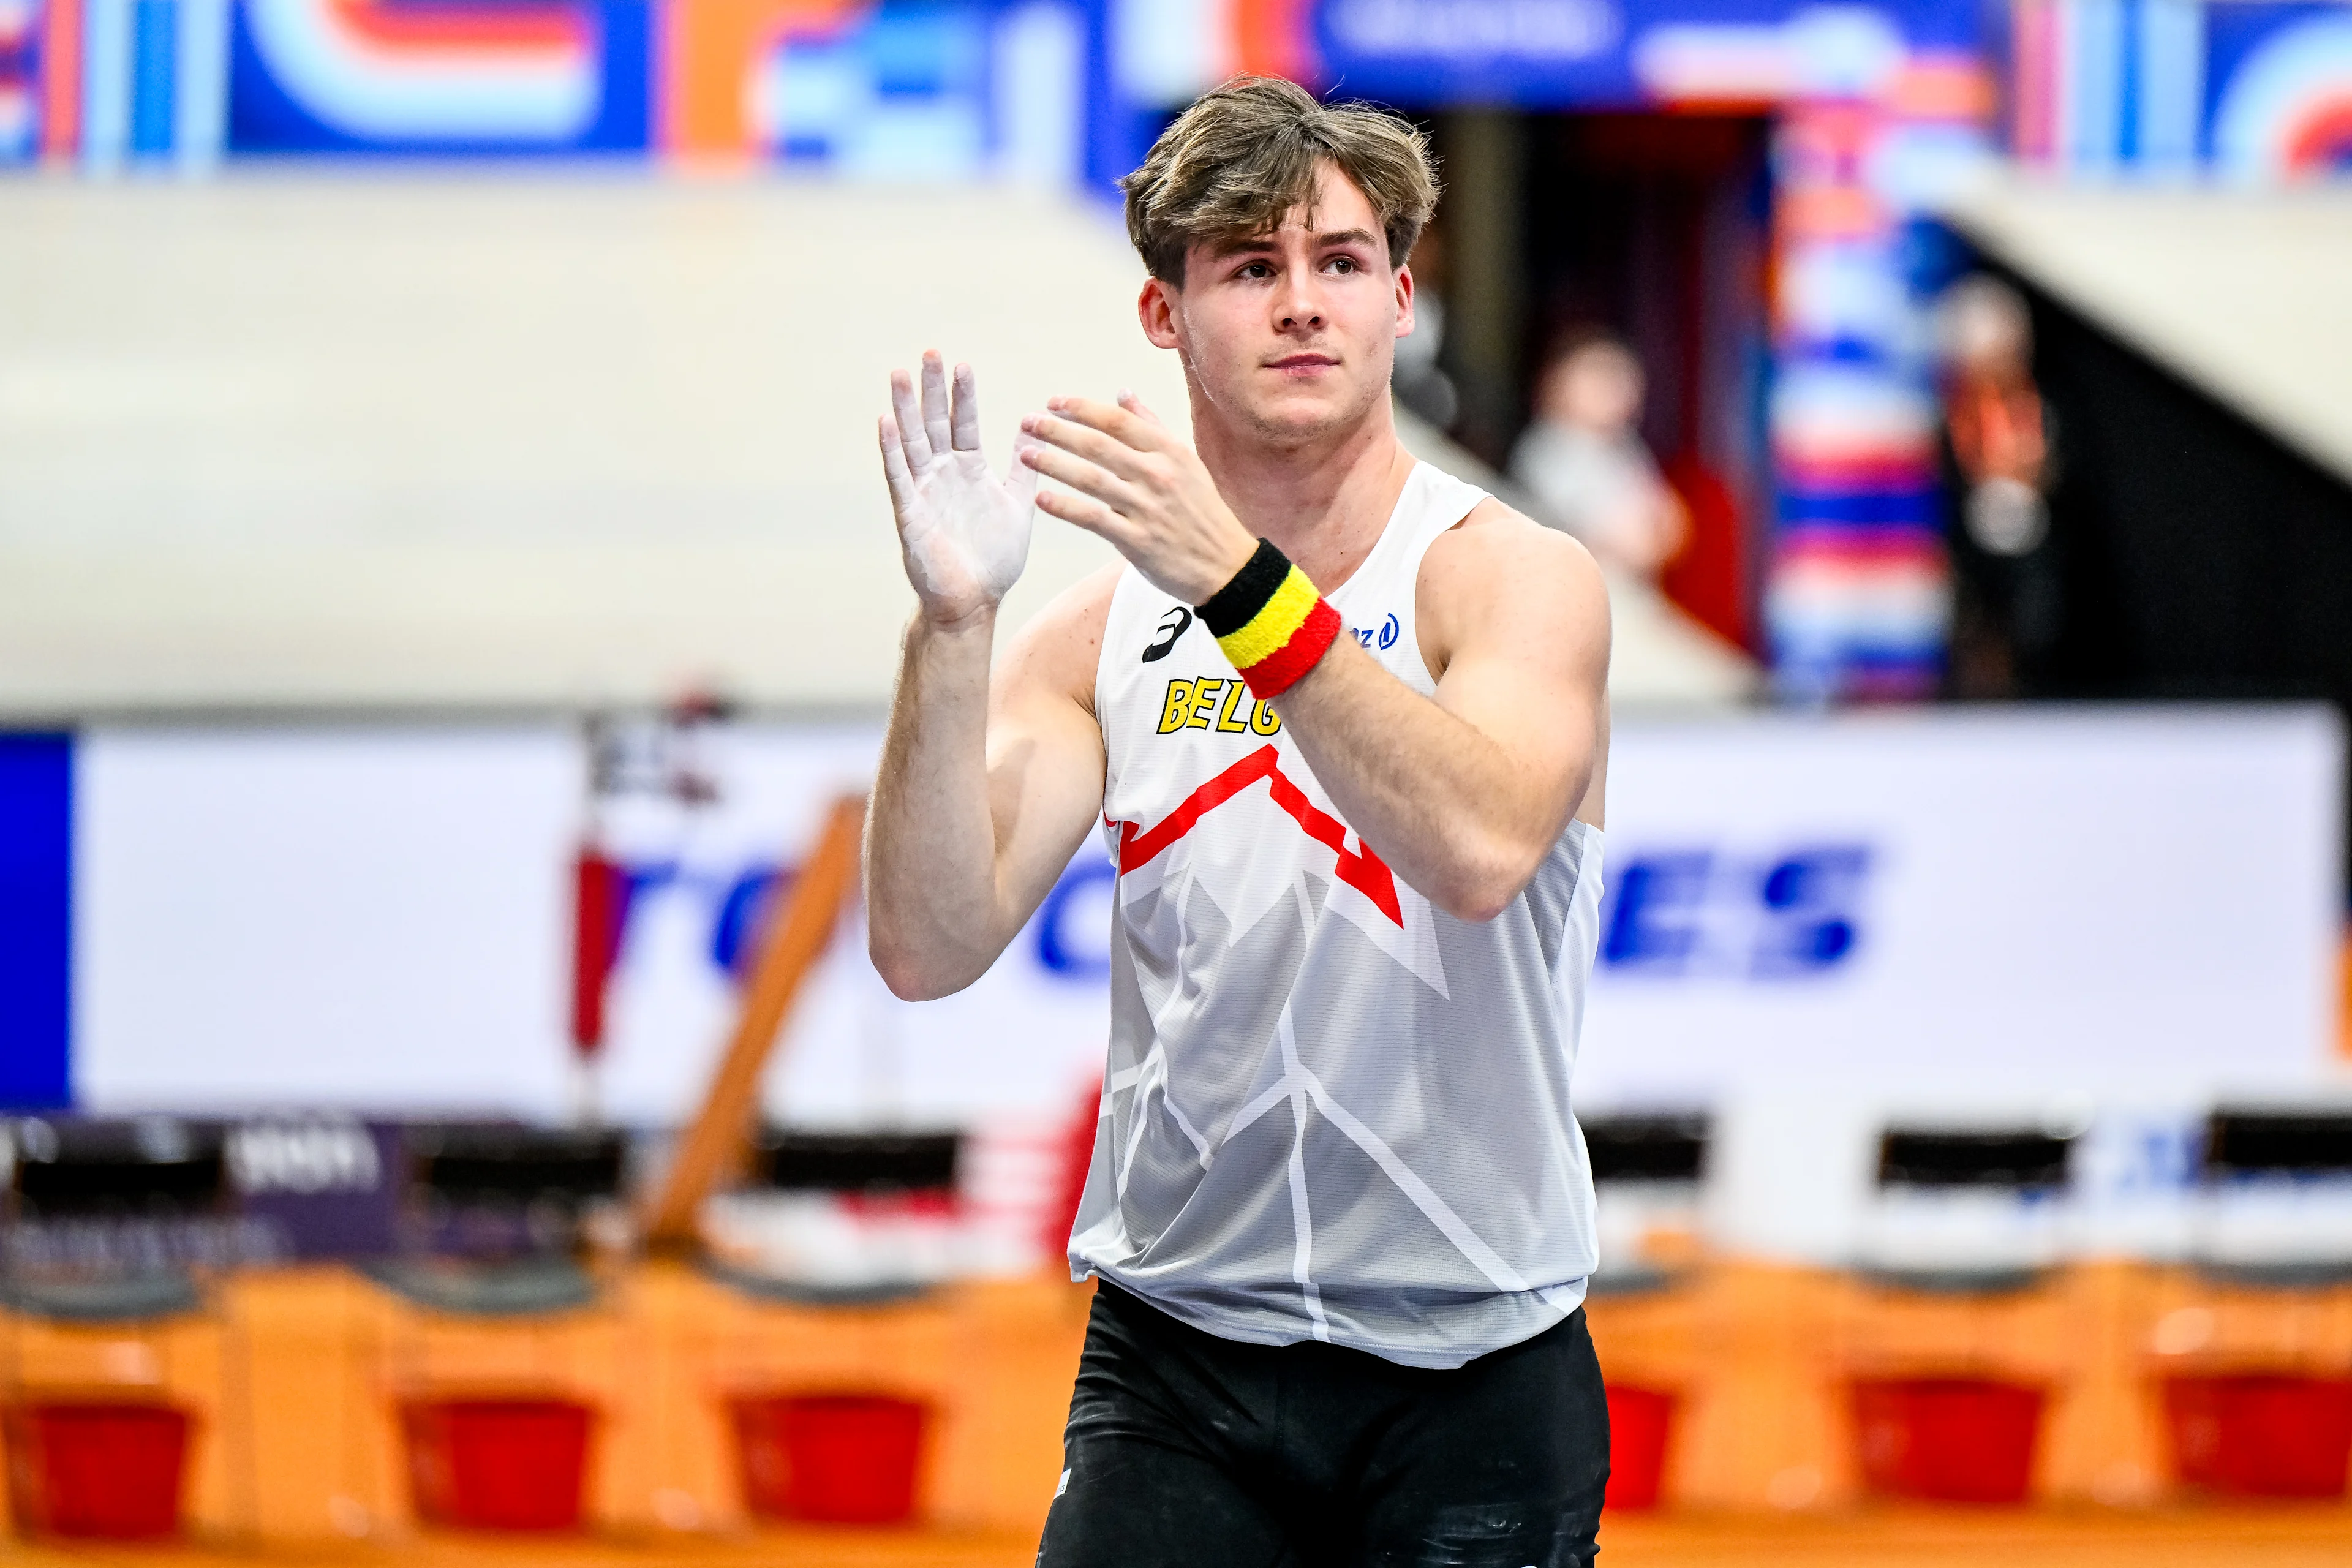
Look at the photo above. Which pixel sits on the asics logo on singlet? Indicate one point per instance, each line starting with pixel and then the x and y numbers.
pixel 1173 625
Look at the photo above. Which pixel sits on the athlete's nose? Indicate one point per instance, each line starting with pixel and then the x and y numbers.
pixel 1301 310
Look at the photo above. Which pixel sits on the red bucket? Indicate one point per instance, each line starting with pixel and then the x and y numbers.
pixel 104 1468
pixel 498 1464
pixel 1640 1421
pixel 842 1458
pixel 1949 1439
pixel 2260 1434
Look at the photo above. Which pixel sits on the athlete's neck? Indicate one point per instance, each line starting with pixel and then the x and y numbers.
pixel 1322 503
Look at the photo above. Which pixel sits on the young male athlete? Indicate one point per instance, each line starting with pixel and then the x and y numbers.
pixel 1342 719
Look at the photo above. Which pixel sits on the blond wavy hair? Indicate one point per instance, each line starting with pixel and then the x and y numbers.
pixel 1247 154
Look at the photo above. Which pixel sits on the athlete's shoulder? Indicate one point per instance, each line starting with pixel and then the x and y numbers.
pixel 1058 650
pixel 1498 550
pixel 1083 607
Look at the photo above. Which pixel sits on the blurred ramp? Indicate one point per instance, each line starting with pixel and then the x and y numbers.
pixel 504 440
pixel 2241 293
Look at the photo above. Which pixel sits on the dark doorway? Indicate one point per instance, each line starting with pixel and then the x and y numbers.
pixel 1654 228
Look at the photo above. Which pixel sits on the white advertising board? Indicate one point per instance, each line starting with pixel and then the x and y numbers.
pixel 1949 904
pixel 1811 925
pixel 2101 919
pixel 380 919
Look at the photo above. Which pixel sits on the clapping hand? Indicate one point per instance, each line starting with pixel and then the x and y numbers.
pixel 963 530
pixel 1135 483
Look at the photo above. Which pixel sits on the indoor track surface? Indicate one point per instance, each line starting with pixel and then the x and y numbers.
pixel 2271 1538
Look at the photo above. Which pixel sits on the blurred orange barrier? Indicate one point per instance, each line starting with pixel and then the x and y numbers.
pixel 991 1360
pixel 2261 1435
pixel 111 1470
pixel 499 1464
pixel 296 1380
pixel 1947 1439
pixel 181 1366
pixel 1641 1422
pixel 2344 1002
pixel 832 1458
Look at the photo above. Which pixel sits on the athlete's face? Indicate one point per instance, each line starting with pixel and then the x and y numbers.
pixel 1291 335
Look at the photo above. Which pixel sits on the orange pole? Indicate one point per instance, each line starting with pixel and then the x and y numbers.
pixel 2344 1001
pixel 719 1135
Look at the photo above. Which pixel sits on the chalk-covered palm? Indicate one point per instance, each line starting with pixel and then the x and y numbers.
pixel 964 531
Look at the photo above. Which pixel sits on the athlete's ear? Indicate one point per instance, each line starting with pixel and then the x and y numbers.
pixel 1156 308
pixel 1404 299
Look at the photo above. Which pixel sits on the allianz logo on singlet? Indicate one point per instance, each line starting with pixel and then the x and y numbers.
pixel 1209 703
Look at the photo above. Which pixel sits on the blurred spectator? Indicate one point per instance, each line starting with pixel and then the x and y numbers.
pixel 1586 466
pixel 1420 385
pixel 1999 439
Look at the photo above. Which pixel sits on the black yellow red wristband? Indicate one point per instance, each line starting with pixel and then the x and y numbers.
pixel 1270 622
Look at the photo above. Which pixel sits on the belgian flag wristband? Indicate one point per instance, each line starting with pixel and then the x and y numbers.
pixel 1270 621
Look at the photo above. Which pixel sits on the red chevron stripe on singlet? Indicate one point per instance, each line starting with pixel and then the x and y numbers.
pixel 1360 869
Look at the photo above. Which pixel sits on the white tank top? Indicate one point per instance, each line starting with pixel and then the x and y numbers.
pixel 1331 1111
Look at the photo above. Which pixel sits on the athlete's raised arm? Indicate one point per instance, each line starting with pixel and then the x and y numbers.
pixel 1462 795
pixel 989 778
pixel 1472 788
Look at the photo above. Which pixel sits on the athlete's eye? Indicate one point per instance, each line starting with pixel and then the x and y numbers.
pixel 1256 269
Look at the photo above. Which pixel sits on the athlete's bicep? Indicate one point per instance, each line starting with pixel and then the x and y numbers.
pixel 1045 747
pixel 1519 632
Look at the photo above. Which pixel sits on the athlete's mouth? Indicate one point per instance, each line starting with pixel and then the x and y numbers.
pixel 1304 362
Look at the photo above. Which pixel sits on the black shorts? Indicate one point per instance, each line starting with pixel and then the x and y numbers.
pixel 1188 1449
